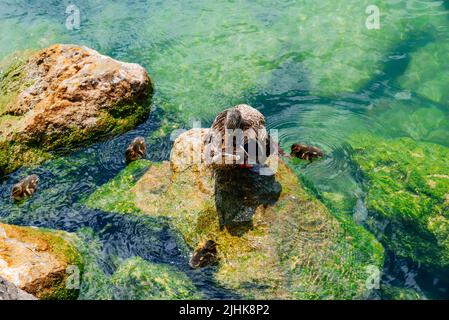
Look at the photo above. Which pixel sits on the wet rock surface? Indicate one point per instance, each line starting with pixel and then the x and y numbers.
pixel 39 261
pixel 288 247
pixel 63 96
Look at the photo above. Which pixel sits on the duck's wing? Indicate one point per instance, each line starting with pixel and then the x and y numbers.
pixel 251 117
pixel 219 123
pixel 217 127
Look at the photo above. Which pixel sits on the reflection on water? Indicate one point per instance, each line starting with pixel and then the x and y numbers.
pixel 310 66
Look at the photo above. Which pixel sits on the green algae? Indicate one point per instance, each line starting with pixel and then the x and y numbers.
pixel 347 70
pixel 13 79
pixel 115 196
pixel 428 72
pixel 138 279
pixel 405 119
pixel 216 54
pixel 408 186
pixel 390 292
pixel 95 284
pixel 319 260
pixel 134 278
pixel 343 54
pixel 14 155
pixel 333 52
pixel 66 247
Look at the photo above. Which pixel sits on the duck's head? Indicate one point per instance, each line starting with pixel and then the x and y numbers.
pixel 16 192
pixel 139 142
pixel 233 119
pixel 298 147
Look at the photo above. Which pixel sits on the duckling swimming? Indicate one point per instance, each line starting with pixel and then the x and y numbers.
pixel 204 255
pixel 25 188
pixel 136 150
pixel 306 152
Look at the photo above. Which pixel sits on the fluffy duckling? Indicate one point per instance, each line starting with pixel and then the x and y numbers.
pixel 306 152
pixel 136 150
pixel 25 188
pixel 206 254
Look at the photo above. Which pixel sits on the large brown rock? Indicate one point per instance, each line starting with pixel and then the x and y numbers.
pixel 37 261
pixel 65 95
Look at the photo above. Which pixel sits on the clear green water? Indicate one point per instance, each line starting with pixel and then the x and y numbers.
pixel 312 67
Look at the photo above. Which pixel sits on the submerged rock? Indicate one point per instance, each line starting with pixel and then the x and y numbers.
pixel 390 292
pixel 63 96
pixel 8 291
pixel 290 247
pixel 427 73
pixel 137 279
pixel 39 261
pixel 408 190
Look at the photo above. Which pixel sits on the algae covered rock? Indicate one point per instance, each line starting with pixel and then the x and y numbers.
pixel 425 123
pixel 390 292
pixel 137 279
pixel 290 247
pixel 408 189
pixel 63 96
pixel 40 262
pixel 428 72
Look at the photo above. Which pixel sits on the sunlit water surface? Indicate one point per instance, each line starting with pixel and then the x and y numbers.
pixel 312 67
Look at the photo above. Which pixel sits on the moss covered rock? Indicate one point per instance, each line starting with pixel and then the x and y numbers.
pixel 137 279
pixel 428 72
pixel 289 247
pixel 63 96
pixel 40 262
pixel 390 292
pixel 408 187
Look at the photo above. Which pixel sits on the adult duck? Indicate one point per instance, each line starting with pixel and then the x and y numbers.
pixel 239 137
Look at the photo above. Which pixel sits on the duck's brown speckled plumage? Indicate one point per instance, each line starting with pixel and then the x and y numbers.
pixel 304 152
pixel 136 150
pixel 252 124
pixel 206 254
pixel 25 188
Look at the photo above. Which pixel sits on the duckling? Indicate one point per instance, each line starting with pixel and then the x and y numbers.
pixel 136 150
pixel 204 255
pixel 306 152
pixel 25 188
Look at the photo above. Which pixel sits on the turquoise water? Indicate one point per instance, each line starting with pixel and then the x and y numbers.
pixel 312 67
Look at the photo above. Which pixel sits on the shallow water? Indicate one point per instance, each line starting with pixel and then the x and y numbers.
pixel 312 67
